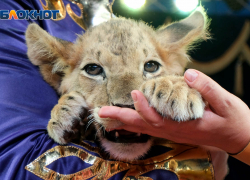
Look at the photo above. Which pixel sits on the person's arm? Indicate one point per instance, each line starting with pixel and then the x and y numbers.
pixel 26 100
pixel 225 123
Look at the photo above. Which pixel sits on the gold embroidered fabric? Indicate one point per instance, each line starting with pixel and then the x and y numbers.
pixel 55 5
pixel 78 19
pixel 186 161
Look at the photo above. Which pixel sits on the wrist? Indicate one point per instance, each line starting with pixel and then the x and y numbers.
pixel 243 155
pixel 239 134
pixel 237 147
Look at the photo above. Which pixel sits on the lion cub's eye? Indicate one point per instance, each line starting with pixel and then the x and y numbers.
pixel 93 69
pixel 151 66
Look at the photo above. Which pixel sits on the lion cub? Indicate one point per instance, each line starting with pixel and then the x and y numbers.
pixel 109 61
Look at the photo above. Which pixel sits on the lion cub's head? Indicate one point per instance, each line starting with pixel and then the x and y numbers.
pixel 109 61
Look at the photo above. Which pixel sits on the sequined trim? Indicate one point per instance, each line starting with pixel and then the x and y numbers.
pixel 78 19
pixel 59 5
pixel 187 162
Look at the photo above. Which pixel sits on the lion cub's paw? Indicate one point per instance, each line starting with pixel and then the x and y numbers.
pixel 67 118
pixel 172 97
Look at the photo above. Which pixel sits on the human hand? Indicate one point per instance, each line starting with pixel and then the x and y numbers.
pixel 225 123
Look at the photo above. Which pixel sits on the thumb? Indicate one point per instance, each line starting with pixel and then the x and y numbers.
pixel 148 114
pixel 211 91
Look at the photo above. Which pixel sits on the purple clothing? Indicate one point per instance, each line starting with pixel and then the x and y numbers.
pixel 25 98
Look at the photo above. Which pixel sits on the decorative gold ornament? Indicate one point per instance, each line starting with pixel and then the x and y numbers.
pixel 78 19
pixel 240 49
pixel 93 12
pixel 55 5
pixel 217 65
pixel 186 161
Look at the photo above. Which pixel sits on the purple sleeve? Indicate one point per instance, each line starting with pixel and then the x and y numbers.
pixel 25 98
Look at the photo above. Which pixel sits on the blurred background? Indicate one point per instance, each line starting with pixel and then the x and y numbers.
pixel 225 57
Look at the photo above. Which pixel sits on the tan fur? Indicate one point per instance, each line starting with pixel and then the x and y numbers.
pixel 71 108
pixel 122 48
pixel 173 98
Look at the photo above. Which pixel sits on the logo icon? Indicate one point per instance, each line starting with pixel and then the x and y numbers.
pixel 28 14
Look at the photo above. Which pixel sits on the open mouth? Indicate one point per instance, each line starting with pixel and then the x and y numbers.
pixel 123 136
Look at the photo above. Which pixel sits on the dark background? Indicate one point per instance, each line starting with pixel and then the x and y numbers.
pixel 228 18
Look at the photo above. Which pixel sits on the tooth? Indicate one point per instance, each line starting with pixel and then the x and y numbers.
pixel 116 134
pixel 138 134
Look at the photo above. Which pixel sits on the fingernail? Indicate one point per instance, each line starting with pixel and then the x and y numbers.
pixel 134 96
pixel 190 75
pixel 102 113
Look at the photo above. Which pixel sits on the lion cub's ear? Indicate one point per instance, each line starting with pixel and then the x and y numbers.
pixel 184 33
pixel 49 53
pixel 177 38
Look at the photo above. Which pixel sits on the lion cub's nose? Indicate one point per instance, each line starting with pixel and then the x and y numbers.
pixel 124 106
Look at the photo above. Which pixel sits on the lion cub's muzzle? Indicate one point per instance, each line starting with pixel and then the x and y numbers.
pixel 123 136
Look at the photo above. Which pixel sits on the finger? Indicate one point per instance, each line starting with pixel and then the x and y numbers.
pixel 147 112
pixel 132 120
pixel 152 117
pixel 125 115
pixel 211 91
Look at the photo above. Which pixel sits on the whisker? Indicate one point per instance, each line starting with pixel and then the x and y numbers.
pixel 90 116
pixel 89 123
pixel 97 131
pixel 103 129
pixel 91 110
